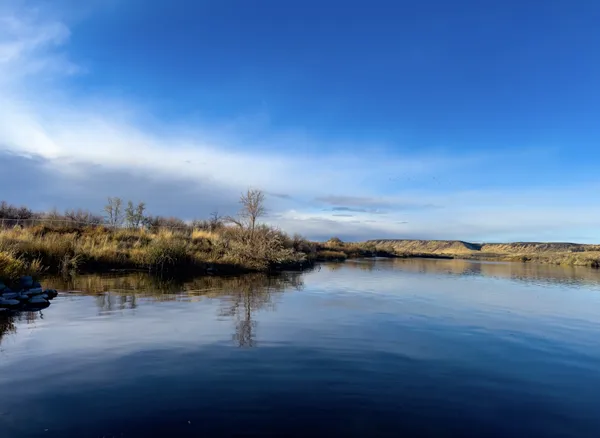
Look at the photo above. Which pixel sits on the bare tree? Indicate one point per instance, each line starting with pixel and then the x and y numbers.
pixel 81 217
pixel 130 215
pixel 253 207
pixel 134 215
pixel 11 215
pixel 215 222
pixel 139 214
pixel 114 211
pixel 157 222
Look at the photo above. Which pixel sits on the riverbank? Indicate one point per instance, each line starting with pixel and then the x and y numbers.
pixel 73 248
pixel 45 249
pixel 556 253
pixel 222 249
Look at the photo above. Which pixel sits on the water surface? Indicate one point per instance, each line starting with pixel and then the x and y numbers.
pixel 366 348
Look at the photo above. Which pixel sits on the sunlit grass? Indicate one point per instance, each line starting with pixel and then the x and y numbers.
pixel 35 249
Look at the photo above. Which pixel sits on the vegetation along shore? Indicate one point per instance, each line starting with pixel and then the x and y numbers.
pixel 125 237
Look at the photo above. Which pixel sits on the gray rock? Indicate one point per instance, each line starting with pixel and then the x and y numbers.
pixel 26 281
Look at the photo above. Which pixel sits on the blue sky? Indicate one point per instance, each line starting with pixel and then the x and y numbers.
pixel 461 120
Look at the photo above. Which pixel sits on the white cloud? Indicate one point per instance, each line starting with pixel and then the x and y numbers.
pixel 82 134
pixel 108 132
pixel 31 45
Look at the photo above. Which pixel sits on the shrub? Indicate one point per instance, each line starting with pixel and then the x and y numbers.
pixel 162 253
pixel 10 266
pixel 328 255
pixel 78 240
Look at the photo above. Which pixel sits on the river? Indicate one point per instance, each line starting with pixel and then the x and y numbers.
pixel 367 348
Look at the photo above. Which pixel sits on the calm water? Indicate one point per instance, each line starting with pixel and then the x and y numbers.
pixel 367 348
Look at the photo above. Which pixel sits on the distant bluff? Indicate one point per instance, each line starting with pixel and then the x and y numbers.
pixel 462 248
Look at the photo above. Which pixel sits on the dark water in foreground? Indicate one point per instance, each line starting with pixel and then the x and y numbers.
pixel 385 348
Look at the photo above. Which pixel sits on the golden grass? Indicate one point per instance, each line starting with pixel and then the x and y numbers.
pixel 13 265
pixel 23 250
pixel 335 249
pixel 203 234
pixel 328 255
pixel 73 249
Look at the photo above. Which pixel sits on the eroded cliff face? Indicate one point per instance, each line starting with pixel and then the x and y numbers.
pixel 438 247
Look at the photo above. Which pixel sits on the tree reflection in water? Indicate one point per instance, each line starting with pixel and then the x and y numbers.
pixel 8 320
pixel 246 295
pixel 7 325
pixel 239 296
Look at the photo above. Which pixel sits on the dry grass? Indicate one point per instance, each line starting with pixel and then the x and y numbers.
pixel 204 234
pixel 68 249
pixel 73 248
pixel 328 255
pixel 335 249
pixel 12 265
pixel 591 258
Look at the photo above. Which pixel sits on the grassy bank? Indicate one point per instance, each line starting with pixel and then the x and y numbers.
pixel 39 249
pixel 336 250
pixel 126 237
pixel 225 249
pixel 65 249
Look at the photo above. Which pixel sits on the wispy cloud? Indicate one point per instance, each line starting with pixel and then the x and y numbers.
pixel 73 132
pixel 354 201
pixel 279 195
pixel 373 205
pixel 356 210
pixel 30 44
